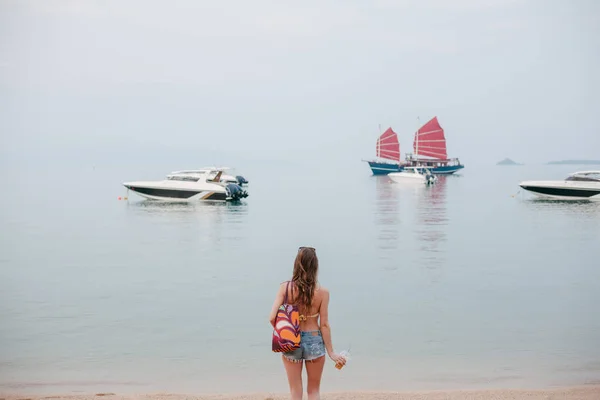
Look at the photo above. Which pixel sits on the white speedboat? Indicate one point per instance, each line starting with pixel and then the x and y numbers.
pixel 583 185
pixel 238 179
pixel 189 187
pixel 413 174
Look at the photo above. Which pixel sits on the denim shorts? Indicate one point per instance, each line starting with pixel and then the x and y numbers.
pixel 311 347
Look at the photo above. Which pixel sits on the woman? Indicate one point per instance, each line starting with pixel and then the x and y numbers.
pixel 313 303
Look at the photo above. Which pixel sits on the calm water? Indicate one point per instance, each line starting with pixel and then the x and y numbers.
pixel 455 285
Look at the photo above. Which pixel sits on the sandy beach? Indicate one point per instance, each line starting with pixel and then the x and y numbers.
pixel 579 393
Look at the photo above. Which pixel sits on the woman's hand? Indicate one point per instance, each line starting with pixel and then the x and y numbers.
pixel 337 359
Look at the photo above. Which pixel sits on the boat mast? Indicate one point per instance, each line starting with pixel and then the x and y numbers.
pixel 379 143
pixel 417 145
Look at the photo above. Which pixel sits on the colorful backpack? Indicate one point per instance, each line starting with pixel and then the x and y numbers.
pixel 286 335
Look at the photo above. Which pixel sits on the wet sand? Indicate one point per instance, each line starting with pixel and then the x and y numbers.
pixel 579 393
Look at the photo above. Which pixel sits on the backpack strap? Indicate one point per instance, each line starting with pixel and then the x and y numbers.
pixel 287 288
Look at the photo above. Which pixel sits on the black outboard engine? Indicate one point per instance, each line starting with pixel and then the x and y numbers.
pixel 429 178
pixel 241 180
pixel 235 192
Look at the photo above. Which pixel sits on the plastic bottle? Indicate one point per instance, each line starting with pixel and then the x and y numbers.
pixel 346 355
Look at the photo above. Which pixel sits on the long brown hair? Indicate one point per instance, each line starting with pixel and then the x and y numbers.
pixel 306 268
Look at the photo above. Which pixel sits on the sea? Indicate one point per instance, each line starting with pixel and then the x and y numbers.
pixel 469 283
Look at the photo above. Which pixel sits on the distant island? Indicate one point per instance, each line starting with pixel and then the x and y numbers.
pixel 575 162
pixel 507 161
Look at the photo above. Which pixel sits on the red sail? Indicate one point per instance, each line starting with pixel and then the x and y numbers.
pixel 431 141
pixel 388 146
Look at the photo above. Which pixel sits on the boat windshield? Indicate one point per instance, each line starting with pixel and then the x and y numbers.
pixel 593 177
pixel 185 178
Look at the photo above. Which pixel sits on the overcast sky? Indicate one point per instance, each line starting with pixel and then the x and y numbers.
pixel 277 80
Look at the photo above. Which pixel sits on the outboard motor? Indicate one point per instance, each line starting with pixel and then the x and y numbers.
pixel 241 180
pixel 235 192
pixel 429 179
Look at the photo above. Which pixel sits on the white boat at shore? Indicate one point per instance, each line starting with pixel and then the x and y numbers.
pixel 414 174
pixel 582 185
pixel 188 186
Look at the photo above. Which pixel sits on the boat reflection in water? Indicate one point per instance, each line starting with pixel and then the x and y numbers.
pixel 198 224
pixel 411 222
pixel 432 221
pixel 387 217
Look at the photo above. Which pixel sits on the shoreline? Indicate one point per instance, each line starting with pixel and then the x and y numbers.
pixel 586 392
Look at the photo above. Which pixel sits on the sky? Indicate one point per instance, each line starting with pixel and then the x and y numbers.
pixel 232 82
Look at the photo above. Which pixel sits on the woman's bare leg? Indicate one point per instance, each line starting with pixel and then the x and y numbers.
pixel 294 374
pixel 314 370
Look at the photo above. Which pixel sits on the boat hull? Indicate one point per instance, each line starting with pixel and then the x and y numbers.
pixel 446 169
pixel 380 168
pixel 562 190
pixel 401 177
pixel 177 195
pixel 412 174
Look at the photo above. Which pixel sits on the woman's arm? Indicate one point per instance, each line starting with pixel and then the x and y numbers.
pixel 277 303
pixel 326 329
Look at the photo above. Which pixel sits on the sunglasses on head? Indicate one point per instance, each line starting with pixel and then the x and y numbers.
pixel 306 247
